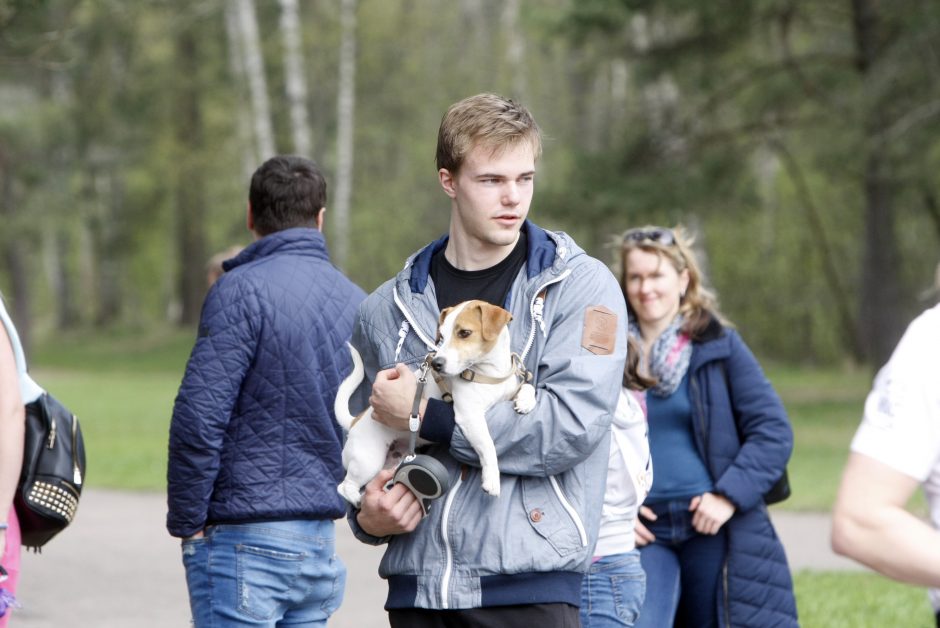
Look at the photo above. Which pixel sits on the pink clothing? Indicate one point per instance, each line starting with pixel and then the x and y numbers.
pixel 11 560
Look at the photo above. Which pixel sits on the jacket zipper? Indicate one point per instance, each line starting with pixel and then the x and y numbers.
pixel 448 552
pixel 411 321
pixel 535 310
pixel 570 510
pixel 696 394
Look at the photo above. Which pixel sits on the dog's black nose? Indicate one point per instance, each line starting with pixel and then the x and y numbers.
pixel 437 364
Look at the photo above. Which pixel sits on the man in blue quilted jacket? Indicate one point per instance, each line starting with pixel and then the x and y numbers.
pixel 255 451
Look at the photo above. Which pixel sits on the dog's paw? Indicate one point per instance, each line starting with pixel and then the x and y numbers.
pixel 524 401
pixel 350 493
pixel 490 482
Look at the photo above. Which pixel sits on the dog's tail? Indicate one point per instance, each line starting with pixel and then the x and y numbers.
pixel 346 389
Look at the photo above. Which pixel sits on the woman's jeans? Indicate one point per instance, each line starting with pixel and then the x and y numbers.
pixel 268 573
pixel 683 569
pixel 612 591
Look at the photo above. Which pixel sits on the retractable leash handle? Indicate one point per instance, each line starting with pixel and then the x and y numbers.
pixel 424 475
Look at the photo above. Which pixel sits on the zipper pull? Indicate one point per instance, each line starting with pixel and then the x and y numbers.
pixel 51 440
pixel 402 334
pixel 76 472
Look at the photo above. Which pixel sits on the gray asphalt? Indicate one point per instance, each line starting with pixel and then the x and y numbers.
pixel 116 567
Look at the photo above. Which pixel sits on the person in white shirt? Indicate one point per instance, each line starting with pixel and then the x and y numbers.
pixel 895 450
pixel 614 587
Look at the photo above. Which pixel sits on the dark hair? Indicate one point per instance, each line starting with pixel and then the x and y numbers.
pixel 286 191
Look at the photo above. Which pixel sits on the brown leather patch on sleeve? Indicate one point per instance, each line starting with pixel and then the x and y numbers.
pixel 600 330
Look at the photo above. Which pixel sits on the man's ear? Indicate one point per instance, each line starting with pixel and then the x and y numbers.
pixel 320 215
pixel 447 180
pixel 250 219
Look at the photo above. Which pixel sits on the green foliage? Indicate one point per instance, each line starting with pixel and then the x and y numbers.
pixel 859 600
pixel 751 122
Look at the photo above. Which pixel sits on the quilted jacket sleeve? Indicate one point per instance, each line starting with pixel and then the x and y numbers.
pixel 224 349
pixel 764 428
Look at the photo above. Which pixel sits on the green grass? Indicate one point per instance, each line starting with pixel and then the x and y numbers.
pixel 825 407
pixel 122 388
pixel 859 600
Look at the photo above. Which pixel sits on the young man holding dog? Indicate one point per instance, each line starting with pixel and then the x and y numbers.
pixel 254 451
pixel 519 558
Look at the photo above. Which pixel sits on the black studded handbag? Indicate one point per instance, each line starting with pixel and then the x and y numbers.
pixel 53 471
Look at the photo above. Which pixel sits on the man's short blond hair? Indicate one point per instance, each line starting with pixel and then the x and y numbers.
pixel 488 120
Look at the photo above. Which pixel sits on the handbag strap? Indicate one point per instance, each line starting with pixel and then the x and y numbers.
pixel 29 389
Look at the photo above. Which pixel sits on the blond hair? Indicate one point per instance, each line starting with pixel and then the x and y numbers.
pixel 487 120
pixel 698 304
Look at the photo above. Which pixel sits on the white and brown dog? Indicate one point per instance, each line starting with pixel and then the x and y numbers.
pixel 474 364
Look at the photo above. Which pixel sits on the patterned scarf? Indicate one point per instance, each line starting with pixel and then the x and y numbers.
pixel 669 356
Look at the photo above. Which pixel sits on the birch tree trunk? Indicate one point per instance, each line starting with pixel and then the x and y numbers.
pixel 236 66
pixel 254 68
pixel 346 105
pixel 295 79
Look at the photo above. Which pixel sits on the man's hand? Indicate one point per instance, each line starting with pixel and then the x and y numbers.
pixel 711 512
pixel 382 512
pixel 198 535
pixel 393 394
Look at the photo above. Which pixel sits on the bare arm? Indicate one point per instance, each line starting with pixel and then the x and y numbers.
pixel 12 423
pixel 871 525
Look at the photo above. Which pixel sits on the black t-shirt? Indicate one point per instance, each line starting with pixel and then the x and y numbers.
pixel 491 284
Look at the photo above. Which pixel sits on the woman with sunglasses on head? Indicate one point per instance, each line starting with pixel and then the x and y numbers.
pixel 12 427
pixel 719 438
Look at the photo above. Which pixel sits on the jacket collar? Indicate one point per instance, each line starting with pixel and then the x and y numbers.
pixel 298 240
pixel 540 255
pixel 712 343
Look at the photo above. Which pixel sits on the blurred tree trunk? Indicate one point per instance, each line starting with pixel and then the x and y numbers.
pixel 515 51
pixel 189 180
pixel 236 66
pixel 108 248
pixel 880 319
pixel 254 66
pixel 18 301
pixel 346 108
pixel 295 79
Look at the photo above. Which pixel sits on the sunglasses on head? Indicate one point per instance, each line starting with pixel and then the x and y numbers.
pixel 660 235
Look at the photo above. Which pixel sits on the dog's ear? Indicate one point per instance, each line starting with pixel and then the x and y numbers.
pixel 494 319
pixel 440 322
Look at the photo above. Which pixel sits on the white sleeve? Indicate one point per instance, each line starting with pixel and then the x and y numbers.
pixel 901 424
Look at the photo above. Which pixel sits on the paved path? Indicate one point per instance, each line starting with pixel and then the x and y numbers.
pixel 116 567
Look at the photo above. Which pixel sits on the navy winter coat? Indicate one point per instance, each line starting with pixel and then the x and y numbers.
pixel 727 381
pixel 253 436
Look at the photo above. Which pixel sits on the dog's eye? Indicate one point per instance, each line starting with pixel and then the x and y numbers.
pixel 464 333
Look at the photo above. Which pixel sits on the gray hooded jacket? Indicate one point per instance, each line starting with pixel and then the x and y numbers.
pixel 533 543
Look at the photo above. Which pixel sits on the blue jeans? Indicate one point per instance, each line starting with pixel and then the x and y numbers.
pixel 683 569
pixel 272 573
pixel 612 591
